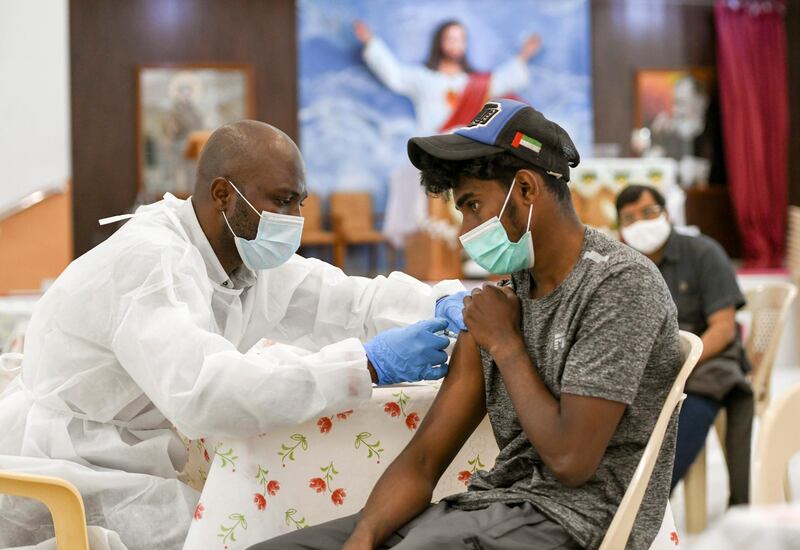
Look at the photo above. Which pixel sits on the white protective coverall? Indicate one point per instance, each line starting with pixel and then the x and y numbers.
pixel 145 332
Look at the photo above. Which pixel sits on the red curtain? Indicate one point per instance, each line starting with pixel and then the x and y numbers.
pixel 753 87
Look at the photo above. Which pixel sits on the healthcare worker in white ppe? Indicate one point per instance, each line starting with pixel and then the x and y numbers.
pixel 153 329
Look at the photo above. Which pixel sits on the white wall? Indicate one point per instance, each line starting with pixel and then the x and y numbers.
pixel 34 97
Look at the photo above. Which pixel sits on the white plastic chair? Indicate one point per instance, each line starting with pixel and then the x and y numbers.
pixel 620 529
pixel 768 305
pixel 778 440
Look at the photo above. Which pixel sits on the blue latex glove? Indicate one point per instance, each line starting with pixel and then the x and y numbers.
pixel 452 308
pixel 409 354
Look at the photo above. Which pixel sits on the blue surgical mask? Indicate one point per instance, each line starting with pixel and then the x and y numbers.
pixel 277 239
pixel 489 245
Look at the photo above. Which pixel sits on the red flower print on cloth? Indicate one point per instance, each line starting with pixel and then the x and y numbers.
pixel 325 483
pixel 338 497
pixel 270 486
pixel 674 538
pixel 205 455
pixel 198 512
pixel 397 408
pixel 324 424
pixel 318 484
pixel 392 409
pixel 464 476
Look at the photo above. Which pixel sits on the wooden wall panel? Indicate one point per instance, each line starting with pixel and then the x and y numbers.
pixel 628 35
pixel 109 39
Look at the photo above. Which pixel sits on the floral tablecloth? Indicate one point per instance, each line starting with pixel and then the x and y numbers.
pixel 289 479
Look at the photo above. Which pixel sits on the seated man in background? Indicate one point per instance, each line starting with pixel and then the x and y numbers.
pixel 152 330
pixel 703 284
pixel 572 359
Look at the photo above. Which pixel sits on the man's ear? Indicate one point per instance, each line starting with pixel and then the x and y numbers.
pixel 220 193
pixel 530 186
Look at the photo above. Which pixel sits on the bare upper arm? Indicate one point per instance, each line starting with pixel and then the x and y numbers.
pixel 725 317
pixel 457 410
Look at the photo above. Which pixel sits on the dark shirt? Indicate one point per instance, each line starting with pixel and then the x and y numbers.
pixel 702 281
pixel 700 278
pixel 608 331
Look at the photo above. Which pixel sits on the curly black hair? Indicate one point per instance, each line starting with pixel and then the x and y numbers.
pixel 440 176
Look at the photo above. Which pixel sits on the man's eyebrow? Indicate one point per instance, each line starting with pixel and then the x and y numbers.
pixel 286 191
pixel 464 198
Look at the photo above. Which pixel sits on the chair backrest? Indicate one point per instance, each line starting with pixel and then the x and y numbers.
pixel 620 529
pixel 793 243
pixel 312 213
pixel 769 307
pixel 778 440
pixel 61 498
pixel 352 211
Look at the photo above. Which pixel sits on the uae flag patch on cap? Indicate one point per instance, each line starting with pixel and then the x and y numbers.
pixel 521 140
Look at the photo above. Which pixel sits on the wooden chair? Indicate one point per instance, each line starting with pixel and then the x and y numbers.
pixel 61 498
pixel 778 440
pixel 313 232
pixel 620 529
pixel 432 257
pixel 195 143
pixel 769 306
pixel 353 224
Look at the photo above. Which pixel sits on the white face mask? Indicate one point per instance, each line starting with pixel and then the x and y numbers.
pixel 647 236
pixel 277 239
pixel 489 245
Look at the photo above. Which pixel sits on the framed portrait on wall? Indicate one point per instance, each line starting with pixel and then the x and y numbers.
pixel 177 107
pixel 672 105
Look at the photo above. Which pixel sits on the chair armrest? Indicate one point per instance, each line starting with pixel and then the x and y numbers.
pixel 61 498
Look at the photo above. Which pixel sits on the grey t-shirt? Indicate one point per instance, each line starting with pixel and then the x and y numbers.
pixel 609 330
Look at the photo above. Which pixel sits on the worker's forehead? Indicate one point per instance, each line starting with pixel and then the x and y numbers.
pixel 271 168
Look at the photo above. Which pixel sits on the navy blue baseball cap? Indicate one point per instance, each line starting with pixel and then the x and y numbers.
pixel 504 125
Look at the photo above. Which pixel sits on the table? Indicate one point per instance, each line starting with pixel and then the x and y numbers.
pixel 288 479
pixel 292 478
